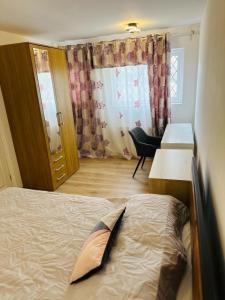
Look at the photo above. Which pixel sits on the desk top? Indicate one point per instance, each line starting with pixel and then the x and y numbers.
pixel 172 164
pixel 178 135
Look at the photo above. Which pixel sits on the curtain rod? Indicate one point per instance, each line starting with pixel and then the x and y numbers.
pixel 111 42
pixel 116 40
pixel 188 31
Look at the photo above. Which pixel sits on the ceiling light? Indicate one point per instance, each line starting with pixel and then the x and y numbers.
pixel 132 28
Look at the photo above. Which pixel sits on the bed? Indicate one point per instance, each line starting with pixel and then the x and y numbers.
pixel 42 233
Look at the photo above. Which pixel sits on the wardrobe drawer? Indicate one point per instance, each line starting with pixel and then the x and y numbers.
pixel 59 170
pixel 59 176
pixel 59 167
pixel 57 158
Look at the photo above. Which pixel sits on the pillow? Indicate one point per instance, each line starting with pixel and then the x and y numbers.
pixel 96 249
pixel 186 239
pixel 185 289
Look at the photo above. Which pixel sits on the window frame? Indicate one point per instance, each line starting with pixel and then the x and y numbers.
pixel 179 52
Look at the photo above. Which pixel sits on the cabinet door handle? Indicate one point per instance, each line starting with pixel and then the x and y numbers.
pixel 61 177
pixel 57 159
pixel 59 168
pixel 61 119
pixel 58 118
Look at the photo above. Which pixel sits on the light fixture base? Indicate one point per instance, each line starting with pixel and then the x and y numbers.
pixel 132 28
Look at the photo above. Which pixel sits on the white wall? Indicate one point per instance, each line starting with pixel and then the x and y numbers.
pixel 210 108
pixel 185 112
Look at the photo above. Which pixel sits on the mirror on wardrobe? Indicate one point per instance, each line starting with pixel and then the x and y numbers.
pixel 52 118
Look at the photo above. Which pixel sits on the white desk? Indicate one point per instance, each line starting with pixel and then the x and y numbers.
pixel 171 173
pixel 178 136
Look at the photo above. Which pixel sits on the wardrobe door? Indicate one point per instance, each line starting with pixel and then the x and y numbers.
pixel 48 100
pixel 60 75
pixel 19 89
pixel 52 117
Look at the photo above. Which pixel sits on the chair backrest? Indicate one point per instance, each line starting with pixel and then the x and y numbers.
pixel 138 136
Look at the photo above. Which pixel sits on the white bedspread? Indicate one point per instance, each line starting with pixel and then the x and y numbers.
pixel 42 233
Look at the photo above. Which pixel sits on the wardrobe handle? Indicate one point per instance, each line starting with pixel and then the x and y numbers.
pixel 61 177
pixel 57 159
pixel 60 168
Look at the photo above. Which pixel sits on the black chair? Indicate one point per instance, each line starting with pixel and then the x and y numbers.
pixel 145 145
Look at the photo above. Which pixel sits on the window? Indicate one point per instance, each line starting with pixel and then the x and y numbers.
pixel 177 70
pixel 124 92
pixel 121 97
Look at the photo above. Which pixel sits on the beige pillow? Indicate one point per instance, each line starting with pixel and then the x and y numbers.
pixel 96 249
pixel 185 289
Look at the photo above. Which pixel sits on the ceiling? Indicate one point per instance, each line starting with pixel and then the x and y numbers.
pixel 60 20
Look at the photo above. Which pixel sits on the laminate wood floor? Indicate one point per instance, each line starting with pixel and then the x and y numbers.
pixel 110 177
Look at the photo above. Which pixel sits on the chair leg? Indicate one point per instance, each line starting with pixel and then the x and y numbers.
pixel 138 165
pixel 143 162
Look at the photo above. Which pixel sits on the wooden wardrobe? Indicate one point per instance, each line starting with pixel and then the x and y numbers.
pixel 35 88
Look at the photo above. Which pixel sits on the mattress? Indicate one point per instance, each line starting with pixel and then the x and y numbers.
pixel 41 235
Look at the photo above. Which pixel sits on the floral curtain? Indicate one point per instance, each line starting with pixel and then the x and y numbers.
pixel 153 51
pixel 158 62
pixel 89 130
pixel 120 53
